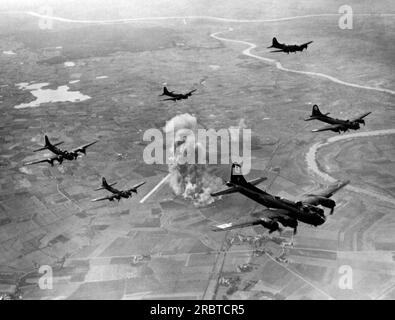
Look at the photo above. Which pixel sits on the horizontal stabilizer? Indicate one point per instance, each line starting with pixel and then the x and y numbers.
pixel 329 191
pixel 225 191
pixel 109 185
pixel 46 146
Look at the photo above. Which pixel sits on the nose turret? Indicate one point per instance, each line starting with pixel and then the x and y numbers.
pixel 356 125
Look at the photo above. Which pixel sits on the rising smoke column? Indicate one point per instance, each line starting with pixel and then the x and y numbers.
pixel 190 180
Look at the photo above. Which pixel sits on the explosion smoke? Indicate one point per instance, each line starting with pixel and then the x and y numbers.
pixel 190 180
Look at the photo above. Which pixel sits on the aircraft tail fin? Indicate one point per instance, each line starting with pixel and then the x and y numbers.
pixel 316 111
pixel 275 43
pixel 47 142
pixel 316 114
pixel 46 145
pixel 165 91
pixel 236 175
pixel 104 184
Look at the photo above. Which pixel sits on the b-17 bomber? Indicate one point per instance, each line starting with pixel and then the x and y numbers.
pixel 279 210
pixel 199 173
pixel 116 194
pixel 176 96
pixel 282 47
pixel 60 154
pixel 336 125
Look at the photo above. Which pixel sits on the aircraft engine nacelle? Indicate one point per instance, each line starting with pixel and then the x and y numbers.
pixel 271 225
pixel 311 208
pixel 305 207
pixel 126 194
pixel 287 222
pixel 326 202
pixel 355 125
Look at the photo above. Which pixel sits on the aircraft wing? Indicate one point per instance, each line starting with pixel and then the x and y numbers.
pixel 174 99
pixel 330 191
pixel 225 191
pixel 83 147
pixel 307 43
pixel 231 225
pixel 112 197
pixel 257 180
pixel 236 189
pixel 135 187
pixel 40 161
pixel 138 185
pixel 267 218
pixel 333 127
pixel 271 213
pixel 361 116
pixel 192 91
pixel 46 147
pixel 280 50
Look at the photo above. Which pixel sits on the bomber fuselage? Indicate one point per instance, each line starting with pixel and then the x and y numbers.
pixel 306 213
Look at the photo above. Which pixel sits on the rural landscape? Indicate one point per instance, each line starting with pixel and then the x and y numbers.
pixel 94 72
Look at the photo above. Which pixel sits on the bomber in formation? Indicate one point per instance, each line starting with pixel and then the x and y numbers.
pixel 336 125
pixel 176 96
pixel 282 47
pixel 279 212
pixel 60 154
pixel 116 194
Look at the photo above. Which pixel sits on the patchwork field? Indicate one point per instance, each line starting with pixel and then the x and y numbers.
pixel 164 247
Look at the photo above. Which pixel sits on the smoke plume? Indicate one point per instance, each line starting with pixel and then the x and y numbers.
pixel 192 181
